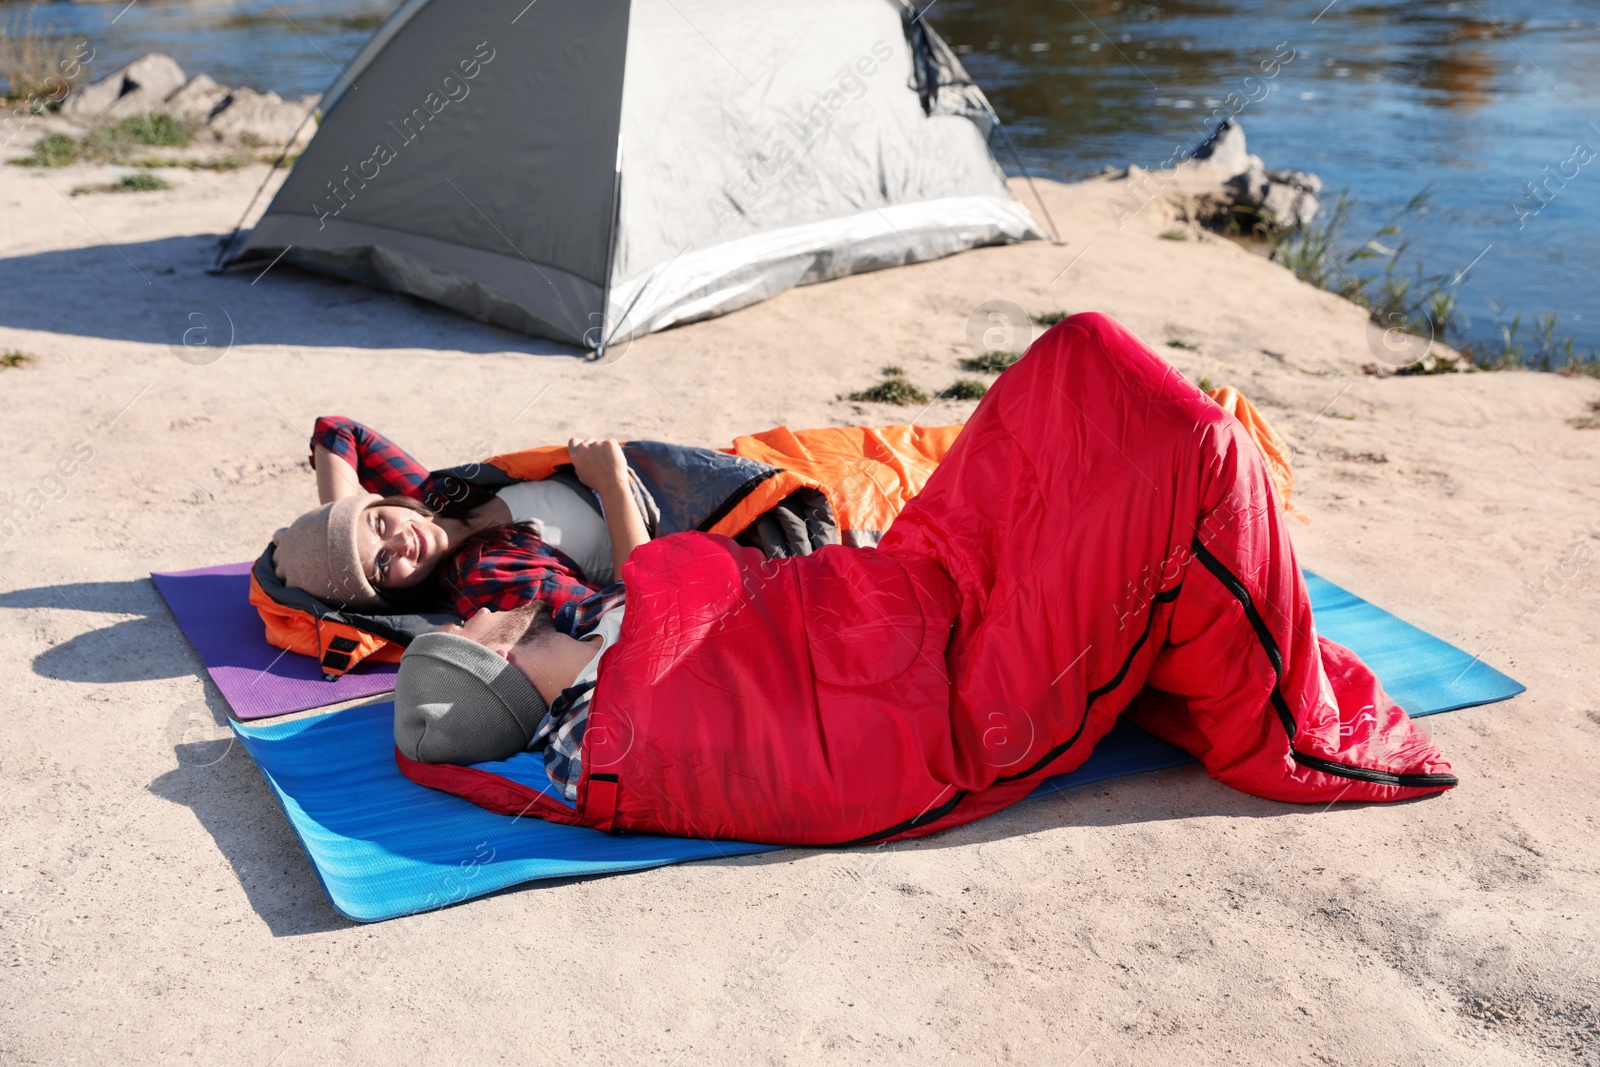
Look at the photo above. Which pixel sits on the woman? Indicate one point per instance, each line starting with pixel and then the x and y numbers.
pixel 389 532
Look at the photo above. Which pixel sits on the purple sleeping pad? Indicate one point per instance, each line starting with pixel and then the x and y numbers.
pixel 213 609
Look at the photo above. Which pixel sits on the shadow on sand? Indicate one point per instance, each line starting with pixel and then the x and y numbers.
pixel 159 292
pixel 128 650
pixel 216 779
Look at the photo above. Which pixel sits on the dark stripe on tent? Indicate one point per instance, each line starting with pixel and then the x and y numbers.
pixel 1285 716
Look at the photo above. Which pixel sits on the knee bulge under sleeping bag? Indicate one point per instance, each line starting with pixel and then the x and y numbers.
pixel 1100 538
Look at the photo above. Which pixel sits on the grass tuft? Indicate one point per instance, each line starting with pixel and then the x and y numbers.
pixel 1420 303
pixel 128 183
pixel 119 143
pixel 891 391
pixel 964 389
pixel 1050 318
pixel 1581 366
pixel 894 389
pixel 140 183
pixel 1175 235
pixel 1187 346
pixel 154 130
pixel 991 362
pixel 13 358
pixel 51 150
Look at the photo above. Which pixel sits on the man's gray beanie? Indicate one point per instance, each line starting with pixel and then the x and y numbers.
pixel 457 702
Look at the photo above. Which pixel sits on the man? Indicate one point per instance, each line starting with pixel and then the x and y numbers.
pixel 1100 538
pixel 505 682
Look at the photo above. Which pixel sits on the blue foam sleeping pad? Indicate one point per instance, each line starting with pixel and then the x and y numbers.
pixel 384 846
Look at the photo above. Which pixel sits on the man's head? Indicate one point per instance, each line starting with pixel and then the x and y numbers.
pixel 503 631
pixel 463 696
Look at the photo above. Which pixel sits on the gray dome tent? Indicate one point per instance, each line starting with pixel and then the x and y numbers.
pixel 594 170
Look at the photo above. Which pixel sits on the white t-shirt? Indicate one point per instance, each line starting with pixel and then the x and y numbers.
pixel 608 629
pixel 566 521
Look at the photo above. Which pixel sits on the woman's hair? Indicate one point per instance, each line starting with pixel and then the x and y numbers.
pixel 404 502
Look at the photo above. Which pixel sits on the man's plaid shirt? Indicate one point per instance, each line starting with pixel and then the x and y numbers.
pixel 498 570
pixel 561 730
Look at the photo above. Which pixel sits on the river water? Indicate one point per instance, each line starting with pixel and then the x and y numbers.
pixel 1479 98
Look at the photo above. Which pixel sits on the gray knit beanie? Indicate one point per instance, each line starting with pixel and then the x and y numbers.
pixel 317 553
pixel 457 702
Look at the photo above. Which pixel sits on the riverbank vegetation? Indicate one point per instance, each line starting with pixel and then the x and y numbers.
pixel 37 65
pixel 1417 302
pixel 123 142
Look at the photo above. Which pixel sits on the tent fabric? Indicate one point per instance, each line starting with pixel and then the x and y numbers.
pixel 1099 531
pixel 591 170
pixel 799 151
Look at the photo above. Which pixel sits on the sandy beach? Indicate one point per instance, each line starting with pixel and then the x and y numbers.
pixel 157 906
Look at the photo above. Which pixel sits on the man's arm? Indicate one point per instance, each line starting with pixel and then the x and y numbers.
pixel 601 466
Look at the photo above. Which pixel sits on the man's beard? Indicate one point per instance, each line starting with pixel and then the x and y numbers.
pixel 525 624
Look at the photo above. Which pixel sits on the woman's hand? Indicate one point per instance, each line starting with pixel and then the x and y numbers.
pixel 598 464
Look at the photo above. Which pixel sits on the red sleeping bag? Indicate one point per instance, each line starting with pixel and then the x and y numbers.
pixel 1101 538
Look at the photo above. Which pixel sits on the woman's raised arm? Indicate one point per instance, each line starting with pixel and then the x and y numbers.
pixel 351 458
pixel 336 477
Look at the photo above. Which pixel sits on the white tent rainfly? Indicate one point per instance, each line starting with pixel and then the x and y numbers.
pixel 594 170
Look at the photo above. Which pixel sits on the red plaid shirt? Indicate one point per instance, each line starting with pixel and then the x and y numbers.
pixel 499 570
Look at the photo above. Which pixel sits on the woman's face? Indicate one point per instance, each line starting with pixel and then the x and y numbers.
pixel 399 547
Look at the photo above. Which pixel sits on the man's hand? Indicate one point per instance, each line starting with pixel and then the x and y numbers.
pixel 598 464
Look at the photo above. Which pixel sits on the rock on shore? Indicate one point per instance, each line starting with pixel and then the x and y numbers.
pixel 156 84
pixel 1221 182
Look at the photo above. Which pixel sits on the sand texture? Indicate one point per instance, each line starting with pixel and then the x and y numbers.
pixel 157 907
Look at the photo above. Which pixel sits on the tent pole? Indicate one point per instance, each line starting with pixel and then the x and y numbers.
pixel 611 265
pixel 1055 234
pixel 227 245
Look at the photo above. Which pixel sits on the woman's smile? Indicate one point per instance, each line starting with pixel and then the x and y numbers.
pixel 400 546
